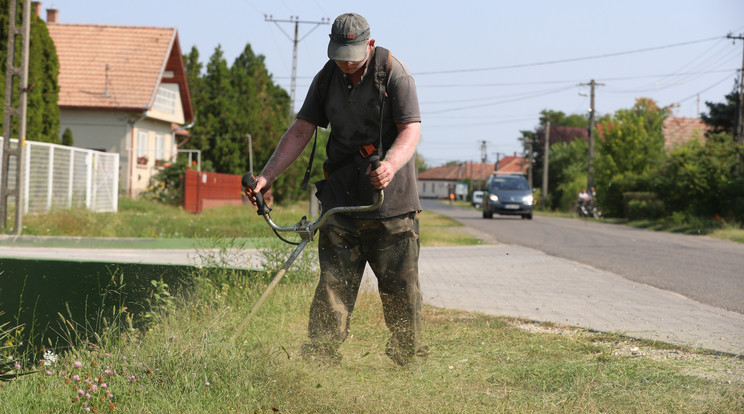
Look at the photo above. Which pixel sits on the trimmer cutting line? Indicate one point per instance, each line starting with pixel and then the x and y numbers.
pixel 305 230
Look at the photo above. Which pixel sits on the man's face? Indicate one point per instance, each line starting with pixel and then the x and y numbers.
pixel 351 67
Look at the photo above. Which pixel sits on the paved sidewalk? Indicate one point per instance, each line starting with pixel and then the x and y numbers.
pixel 509 280
pixel 521 282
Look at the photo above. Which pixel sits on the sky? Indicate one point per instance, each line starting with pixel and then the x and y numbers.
pixel 484 69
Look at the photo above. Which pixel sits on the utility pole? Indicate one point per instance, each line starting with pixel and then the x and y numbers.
pixel 15 116
pixel 590 170
pixel 739 126
pixel 296 20
pixel 484 158
pixel 545 165
pixel 529 161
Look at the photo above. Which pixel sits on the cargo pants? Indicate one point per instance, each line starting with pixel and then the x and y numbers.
pixel 391 247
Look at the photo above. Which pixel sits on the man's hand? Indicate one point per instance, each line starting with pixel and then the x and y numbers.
pixel 382 176
pixel 262 186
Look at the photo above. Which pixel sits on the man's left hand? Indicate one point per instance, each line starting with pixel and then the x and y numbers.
pixel 382 176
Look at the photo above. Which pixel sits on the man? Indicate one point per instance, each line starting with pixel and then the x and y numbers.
pixel 348 97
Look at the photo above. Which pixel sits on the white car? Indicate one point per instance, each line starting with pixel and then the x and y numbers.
pixel 477 198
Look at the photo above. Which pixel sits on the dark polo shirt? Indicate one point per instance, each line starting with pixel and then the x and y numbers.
pixel 354 116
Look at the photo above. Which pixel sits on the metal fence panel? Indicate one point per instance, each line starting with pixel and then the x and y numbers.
pixel 61 177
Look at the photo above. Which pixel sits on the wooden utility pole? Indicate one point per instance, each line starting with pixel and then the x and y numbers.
pixel 296 20
pixel 15 75
pixel 546 157
pixel 739 125
pixel 590 170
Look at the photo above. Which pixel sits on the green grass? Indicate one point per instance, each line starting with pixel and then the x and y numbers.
pixel 172 227
pixel 186 363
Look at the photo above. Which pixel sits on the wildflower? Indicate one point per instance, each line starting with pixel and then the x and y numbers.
pixel 49 372
pixel 81 393
pixel 132 378
pixel 17 366
pixel 207 383
pixel 76 377
pixel 77 364
pixel 87 396
pixel 50 358
pixel 93 388
pixel 107 372
pixel 104 385
pixel 107 354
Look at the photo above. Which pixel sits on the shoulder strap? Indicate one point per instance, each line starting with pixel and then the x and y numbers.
pixel 383 61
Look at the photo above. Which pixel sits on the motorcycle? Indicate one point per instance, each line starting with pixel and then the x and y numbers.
pixel 588 209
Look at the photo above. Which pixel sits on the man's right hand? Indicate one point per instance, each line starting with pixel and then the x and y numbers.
pixel 261 187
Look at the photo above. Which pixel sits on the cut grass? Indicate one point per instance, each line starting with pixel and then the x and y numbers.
pixel 477 363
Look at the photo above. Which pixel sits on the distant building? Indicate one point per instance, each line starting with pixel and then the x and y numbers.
pixel 678 130
pixel 439 182
pixel 122 89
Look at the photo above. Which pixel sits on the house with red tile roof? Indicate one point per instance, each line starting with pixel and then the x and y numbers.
pixel 123 89
pixel 439 182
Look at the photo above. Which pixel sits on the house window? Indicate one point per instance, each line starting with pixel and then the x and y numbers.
pixel 142 145
pixel 159 150
pixel 166 100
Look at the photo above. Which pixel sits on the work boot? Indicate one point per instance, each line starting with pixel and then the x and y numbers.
pixel 321 352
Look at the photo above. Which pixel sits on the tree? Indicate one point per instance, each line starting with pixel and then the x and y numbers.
pixel 722 116
pixel 700 178
pixel 563 129
pixel 42 115
pixel 67 138
pixel 630 145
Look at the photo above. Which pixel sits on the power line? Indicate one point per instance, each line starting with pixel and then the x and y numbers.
pixel 296 20
pixel 577 59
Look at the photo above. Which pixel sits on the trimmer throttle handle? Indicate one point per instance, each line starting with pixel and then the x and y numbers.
pixel 249 183
pixel 374 161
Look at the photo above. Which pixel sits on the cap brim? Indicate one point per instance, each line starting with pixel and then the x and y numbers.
pixel 347 52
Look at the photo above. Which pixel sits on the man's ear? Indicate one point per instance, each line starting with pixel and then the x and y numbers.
pixel 372 42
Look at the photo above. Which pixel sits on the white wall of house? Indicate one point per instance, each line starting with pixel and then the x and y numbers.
pixel 129 134
pixel 434 188
pixel 167 105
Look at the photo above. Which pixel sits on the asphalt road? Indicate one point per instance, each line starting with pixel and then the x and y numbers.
pixel 701 268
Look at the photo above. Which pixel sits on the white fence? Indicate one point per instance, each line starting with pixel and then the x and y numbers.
pixel 62 177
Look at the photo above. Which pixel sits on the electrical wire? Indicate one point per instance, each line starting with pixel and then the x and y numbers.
pixel 577 59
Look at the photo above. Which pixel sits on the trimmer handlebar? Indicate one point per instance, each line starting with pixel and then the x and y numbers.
pixel 304 229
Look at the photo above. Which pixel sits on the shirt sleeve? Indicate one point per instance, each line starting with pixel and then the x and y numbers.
pixel 313 109
pixel 403 95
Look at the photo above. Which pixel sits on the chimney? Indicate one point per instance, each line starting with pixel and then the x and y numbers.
pixel 52 16
pixel 37 8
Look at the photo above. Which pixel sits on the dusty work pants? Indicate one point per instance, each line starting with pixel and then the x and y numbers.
pixel 391 247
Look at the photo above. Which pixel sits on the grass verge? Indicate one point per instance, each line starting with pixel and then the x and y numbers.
pixel 478 363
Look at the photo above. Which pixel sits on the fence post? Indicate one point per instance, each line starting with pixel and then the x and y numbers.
pixel 50 179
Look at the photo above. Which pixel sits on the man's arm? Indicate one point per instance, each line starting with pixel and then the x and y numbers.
pixel 290 147
pixel 398 155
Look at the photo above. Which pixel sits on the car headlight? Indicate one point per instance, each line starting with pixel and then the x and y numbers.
pixel 494 198
pixel 528 200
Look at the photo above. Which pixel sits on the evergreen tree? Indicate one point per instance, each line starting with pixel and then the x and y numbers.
pixel 218 116
pixel 722 116
pixel 42 115
pixel 67 138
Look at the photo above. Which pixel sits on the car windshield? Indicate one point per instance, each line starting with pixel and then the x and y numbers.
pixel 509 183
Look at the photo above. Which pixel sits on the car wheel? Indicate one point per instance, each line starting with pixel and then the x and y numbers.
pixel 527 216
pixel 487 214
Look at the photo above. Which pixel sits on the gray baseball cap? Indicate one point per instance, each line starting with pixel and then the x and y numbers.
pixel 349 35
